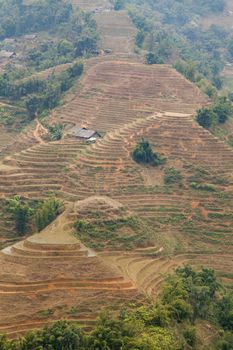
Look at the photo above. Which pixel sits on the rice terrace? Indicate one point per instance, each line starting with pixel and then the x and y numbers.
pixel 116 171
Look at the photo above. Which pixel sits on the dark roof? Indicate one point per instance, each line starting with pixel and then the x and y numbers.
pixel 82 132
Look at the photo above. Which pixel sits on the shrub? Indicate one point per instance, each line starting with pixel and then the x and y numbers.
pixel 190 335
pixel 206 117
pixel 171 176
pixel 56 131
pixel 143 153
pixel 203 187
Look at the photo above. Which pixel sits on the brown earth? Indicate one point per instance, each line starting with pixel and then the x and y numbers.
pixel 52 275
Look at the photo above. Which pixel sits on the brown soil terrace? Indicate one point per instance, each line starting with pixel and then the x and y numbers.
pixel 52 275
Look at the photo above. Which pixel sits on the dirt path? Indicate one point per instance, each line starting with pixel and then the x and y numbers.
pixel 39 131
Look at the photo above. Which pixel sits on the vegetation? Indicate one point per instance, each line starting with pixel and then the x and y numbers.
pixel 122 233
pixel 21 213
pixel 47 211
pixel 203 186
pixel 76 30
pixel 36 94
pixel 70 34
pixel 144 154
pixel 172 32
pixel 56 131
pixel 188 298
pixel 219 112
pixel 172 176
pixel 27 214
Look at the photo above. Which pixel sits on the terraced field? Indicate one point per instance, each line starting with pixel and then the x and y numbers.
pixel 116 30
pixel 52 274
pixel 122 91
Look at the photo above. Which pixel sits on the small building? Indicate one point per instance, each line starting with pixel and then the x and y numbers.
pixel 83 133
pixel 7 54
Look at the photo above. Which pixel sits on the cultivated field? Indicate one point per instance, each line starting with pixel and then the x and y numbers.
pixel 52 274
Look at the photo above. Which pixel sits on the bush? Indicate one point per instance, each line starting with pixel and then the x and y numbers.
pixel 206 117
pixel 172 176
pixel 143 153
pixel 203 187
pixel 56 131
pixel 219 112
pixel 190 335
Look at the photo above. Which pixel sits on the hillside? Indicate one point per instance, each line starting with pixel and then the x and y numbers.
pixel 125 225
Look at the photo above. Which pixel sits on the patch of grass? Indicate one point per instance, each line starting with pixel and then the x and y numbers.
pixel 220 216
pixel 46 313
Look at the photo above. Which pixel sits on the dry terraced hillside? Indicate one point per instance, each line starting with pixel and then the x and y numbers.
pixel 53 274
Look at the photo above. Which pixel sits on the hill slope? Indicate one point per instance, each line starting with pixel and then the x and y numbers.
pixel 52 274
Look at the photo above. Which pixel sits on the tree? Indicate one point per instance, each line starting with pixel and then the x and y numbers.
pixel 21 213
pixel 143 153
pixel 225 311
pixel 230 47
pixel 65 47
pixel 119 5
pixel 33 105
pixel 153 58
pixel 223 109
pixel 60 336
pixel 206 117
pixel 47 212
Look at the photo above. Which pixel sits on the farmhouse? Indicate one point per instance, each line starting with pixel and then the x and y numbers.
pixel 83 133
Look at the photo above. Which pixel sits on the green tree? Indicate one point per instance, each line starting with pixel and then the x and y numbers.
pixel 60 336
pixel 21 212
pixel 223 109
pixel 225 311
pixel 143 153
pixel 206 117
pixel 65 47
pixel 47 212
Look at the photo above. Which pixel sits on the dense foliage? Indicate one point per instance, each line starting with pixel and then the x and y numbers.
pixel 47 211
pixel 21 213
pixel 35 214
pixel 144 154
pixel 219 112
pixel 57 17
pixel 189 298
pixel 35 93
